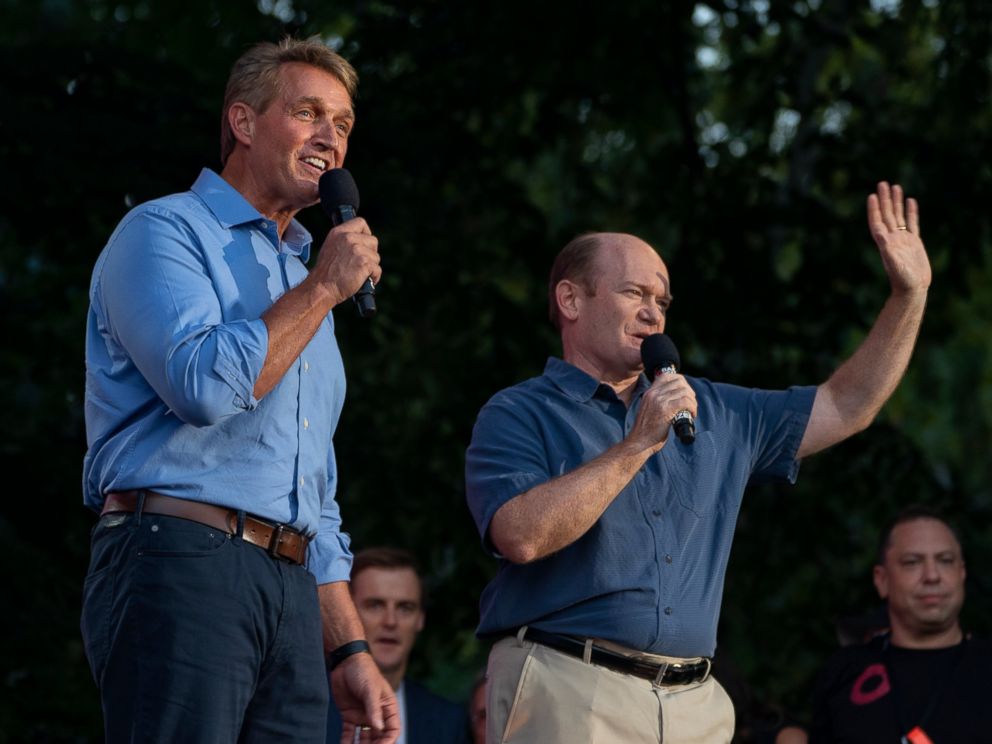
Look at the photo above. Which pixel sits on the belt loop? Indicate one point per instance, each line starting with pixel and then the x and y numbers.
pixel 587 652
pixel 241 523
pixel 521 633
pixel 139 507
pixel 274 539
pixel 660 676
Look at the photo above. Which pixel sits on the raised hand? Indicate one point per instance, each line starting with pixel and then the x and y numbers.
pixel 894 222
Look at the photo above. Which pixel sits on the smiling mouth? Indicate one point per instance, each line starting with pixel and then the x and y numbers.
pixel 317 163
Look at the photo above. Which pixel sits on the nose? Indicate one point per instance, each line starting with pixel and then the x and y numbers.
pixel 326 136
pixel 389 619
pixel 931 571
pixel 651 313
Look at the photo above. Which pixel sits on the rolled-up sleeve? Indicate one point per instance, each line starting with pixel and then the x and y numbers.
pixel 505 459
pixel 163 306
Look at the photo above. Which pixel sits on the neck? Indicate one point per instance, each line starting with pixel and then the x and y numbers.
pixel 241 178
pixel 623 382
pixel 904 638
pixel 624 389
pixel 394 676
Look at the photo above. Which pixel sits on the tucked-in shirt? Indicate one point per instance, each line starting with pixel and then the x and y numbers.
pixel 649 573
pixel 174 346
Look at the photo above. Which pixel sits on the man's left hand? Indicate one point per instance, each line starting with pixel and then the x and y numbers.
pixel 894 222
pixel 366 702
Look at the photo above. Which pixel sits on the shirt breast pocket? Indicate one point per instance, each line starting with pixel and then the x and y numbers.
pixel 696 473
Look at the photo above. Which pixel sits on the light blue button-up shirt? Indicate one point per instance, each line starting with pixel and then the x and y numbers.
pixel 174 346
pixel 649 573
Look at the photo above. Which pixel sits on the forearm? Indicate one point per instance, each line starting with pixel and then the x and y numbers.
pixel 555 514
pixel 291 322
pixel 849 401
pixel 338 615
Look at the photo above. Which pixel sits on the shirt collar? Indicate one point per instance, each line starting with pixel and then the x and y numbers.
pixel 231 208
pixel 575 383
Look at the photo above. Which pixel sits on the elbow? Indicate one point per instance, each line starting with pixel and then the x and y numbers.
pixel 199 413
pixel 513 547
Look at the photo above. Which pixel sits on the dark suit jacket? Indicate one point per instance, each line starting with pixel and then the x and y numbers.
pixel 431 719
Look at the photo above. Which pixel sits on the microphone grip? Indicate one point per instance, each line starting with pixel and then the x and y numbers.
pixel 365 296
pixel 365 299
pixel 685 427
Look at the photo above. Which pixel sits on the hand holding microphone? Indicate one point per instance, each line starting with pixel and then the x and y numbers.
pixel 339 200
pixel 660 357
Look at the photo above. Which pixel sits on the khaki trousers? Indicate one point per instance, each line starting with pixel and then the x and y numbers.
pixel 537 695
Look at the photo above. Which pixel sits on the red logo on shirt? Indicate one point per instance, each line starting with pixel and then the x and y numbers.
pixel 871 685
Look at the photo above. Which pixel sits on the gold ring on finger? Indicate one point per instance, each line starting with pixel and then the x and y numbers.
pixel 901 227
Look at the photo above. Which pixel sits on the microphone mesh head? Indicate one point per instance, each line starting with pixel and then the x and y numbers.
pixel 658 351
pixel 337 188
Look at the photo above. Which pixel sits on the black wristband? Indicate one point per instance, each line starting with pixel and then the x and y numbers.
pixel 341 653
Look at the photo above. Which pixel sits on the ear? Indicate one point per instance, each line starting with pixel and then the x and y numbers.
pixel 881 579
pixel 567 295
pixel 241 118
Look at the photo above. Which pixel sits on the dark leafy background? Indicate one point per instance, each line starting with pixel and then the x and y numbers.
pixel 739 137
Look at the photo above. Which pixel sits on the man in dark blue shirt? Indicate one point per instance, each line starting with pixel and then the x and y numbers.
pixel 613 538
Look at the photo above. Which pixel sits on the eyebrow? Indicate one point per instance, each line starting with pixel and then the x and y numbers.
pixel 667 296
pixel 319 103
pixel 917 554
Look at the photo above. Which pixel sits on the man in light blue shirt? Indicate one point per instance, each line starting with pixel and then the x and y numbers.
pixel 214 385
pixel 613 537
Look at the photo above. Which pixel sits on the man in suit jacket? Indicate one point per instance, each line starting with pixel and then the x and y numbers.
pixel 388 594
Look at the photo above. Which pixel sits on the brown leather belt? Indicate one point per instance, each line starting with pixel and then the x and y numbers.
pixel 277 539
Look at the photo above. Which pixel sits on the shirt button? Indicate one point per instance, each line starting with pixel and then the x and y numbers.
pixel 306 366
pixel 657 512
pixel 306 423
pixel 668 610
pixel 301 480
pixel 668 559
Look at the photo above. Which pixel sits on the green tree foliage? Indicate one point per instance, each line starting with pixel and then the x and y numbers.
pixel 739 137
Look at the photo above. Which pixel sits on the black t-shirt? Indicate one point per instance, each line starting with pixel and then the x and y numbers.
pixel 876 693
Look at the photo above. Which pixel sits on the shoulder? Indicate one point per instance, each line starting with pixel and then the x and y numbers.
pixel 518 402
pixel 175 212
pixel 848 662
pixel 979 648
pixel 419 694
pixel 433 718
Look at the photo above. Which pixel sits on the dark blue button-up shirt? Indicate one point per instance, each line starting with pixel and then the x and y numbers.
pixel 649 573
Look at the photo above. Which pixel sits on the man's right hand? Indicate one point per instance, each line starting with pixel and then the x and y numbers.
pixel 668 394
pixel 349 256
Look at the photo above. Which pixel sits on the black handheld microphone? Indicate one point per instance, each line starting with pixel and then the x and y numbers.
pixel 339 200
pixel 660 357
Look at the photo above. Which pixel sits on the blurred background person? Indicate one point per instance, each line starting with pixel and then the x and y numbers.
pixel 387 588
pixel 924 680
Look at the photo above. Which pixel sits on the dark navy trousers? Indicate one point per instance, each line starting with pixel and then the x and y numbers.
pixel 197 636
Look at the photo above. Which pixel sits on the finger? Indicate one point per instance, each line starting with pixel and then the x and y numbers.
pixel 875 223
pixel 913 216
pixel 885 205
pixel 354 225
pixel 874 212
pixel 897 206
pixel 373 710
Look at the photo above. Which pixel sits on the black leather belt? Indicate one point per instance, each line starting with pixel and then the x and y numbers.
pixel 670 674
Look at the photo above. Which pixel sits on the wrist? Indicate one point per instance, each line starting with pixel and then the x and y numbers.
pixel 342 652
